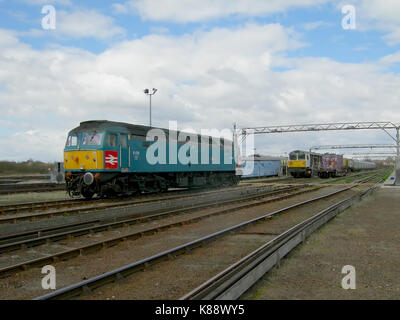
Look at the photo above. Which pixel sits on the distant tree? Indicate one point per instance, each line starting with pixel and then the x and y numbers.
pixel 30 166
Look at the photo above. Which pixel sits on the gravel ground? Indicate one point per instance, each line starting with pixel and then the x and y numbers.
pixel 27 284
pixel 366 236
pixel 33 196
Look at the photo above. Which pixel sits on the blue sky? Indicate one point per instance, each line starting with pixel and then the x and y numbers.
pixel 266 63
pixel 326 40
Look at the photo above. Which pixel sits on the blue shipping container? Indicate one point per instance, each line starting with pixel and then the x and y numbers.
pixel 262 167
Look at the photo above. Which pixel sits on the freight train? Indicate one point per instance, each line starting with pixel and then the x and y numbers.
pixel 107 158
pixel 307 164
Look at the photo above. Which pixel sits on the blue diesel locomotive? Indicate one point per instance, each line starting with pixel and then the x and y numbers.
pixel 108 158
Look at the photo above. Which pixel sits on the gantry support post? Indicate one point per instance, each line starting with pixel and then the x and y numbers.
pixel 397 166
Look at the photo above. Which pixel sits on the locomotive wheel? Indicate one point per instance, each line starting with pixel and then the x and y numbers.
pixel 162 185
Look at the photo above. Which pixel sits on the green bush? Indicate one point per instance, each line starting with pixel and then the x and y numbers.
pixel 30 166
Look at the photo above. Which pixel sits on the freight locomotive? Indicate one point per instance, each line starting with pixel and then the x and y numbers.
pixel 107 158
pixel 307 164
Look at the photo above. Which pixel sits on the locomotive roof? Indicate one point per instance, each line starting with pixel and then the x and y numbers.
pixel 102 125
pixel 306 152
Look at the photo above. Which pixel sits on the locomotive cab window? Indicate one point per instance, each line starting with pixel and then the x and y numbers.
pixel 72 141
pixel 293 156
pixel 111 140
pixel 302 156
pixel 92 139
pixel 124 143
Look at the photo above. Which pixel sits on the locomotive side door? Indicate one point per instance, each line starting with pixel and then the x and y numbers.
pixel 124 152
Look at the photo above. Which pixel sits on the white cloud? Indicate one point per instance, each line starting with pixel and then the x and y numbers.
pixel 45 145
pixel 370 14
pixel 86 23
pixel 204 79
pixel 193 10
pixel 80 23
pixel 120 8
pixel 391 58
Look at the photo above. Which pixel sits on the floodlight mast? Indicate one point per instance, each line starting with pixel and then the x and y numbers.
pixel 147 92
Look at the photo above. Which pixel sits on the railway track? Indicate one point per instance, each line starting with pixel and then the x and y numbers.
pixel 45 205
pixel 266 179
pixel 312 179
pixel 235 280
pixel 34 238
pixel 86 206
pixel 42 231
pixel 25 177
pixel 30 187
pixel 120 273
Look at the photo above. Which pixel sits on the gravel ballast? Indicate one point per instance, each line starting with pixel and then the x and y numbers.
pixel 365 236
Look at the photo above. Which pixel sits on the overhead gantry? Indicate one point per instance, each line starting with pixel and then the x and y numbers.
pixel 242 133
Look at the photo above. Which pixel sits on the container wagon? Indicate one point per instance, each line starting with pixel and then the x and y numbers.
pixel 332 165
pixel 357 165
pixel 261 166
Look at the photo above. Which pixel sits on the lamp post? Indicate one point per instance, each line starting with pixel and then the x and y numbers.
pixel 147 92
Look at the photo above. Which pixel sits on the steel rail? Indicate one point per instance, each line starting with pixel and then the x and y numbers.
pixel 39 176
pixel 118 274
pixel 31 187
pixel 29 206
pixel 356 175
pixel 111 205
pixel 291 179
pixel 232 282
pixel 38 233
pixel 109 242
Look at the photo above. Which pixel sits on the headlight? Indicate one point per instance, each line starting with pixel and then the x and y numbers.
pixel 88 178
